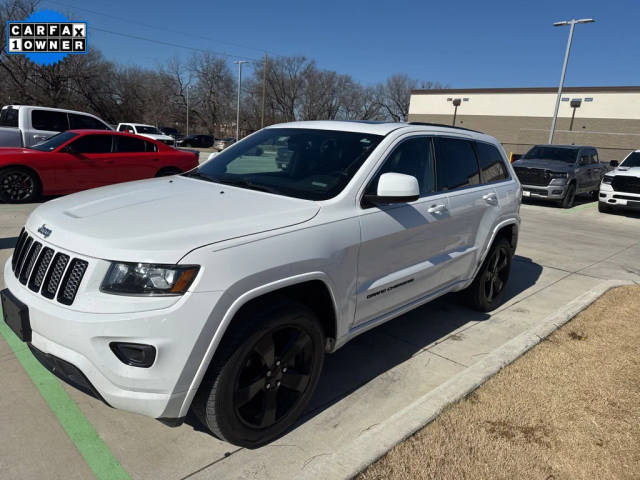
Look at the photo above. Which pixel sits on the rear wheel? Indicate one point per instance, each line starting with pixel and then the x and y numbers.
pixel 263 375
pixel 569 198
pixel 19 185
pixel 487 290
pixel 166 172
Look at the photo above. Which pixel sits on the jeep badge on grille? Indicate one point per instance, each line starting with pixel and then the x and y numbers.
pixel 44 230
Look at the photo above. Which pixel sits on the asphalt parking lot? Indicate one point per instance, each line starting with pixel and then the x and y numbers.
pixel 561 254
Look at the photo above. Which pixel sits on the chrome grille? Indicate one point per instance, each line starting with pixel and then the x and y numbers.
pixel 45 271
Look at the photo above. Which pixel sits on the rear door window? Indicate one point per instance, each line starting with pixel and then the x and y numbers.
pixel 456 164
pixel 492 167
pixel 85 122
pixel 132 145
pixel 93 144
pixel 49 120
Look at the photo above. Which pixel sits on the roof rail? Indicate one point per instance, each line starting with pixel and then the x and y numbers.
pixel 442 125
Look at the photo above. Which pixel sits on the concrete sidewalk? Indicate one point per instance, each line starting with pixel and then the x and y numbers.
pixel 561 254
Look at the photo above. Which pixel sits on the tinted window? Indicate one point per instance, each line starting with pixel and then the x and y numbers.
pixel 130 144
pixel 93 144
pixel 9 117
pixel 456 165
pixel 412 157
pixel 85 122
pixel 54 142
pixel 47 120
pixel 492 166
pixel 633 160
pixel 314 164
pixel 568 155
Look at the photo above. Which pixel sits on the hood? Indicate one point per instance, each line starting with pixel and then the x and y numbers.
pixel 156 136
pixel 626 171
pixel 160 220
pixel 553 165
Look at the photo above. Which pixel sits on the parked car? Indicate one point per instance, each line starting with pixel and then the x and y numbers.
pixel 172 132
pixel 79 159
pixel 24 125
pixel 620 188
pixel 200 141
pixel 560 172
pixel 223 143
pixel 148 131
pixel 227 300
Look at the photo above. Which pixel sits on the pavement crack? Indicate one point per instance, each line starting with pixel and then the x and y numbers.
pixel 227 455
pixel 307 462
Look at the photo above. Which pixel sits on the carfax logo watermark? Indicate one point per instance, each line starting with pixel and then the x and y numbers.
pixel 46 37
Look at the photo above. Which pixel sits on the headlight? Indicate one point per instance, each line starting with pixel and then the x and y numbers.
pixel 148 279
pixel 558 178
pixel 607 179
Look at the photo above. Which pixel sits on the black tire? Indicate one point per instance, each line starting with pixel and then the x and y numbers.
pixel 168 171
pixel 19 185
pixel 487 290
pixel 569 197
pixel 604 208
pixel 275 385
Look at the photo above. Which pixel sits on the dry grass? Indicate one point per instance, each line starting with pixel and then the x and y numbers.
pixel 568 409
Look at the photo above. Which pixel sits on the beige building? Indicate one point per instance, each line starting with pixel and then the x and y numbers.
pixel 605 117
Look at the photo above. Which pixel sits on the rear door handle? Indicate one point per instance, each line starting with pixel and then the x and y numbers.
pixel 491 198
pixel 436 208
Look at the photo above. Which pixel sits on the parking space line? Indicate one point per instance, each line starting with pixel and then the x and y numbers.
pixel 94 451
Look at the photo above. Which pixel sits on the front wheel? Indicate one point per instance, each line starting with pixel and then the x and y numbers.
pixel 569 198
pixel 19 185
pixel 264 375
pixel 604 208
pixel 488 288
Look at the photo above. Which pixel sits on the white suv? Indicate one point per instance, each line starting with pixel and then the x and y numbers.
pixel 221 289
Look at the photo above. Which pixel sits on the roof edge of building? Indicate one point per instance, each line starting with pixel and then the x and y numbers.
pixel 440 91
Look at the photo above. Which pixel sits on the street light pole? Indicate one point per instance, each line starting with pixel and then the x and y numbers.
pixel 239 62
pixel 188 109
pixel 572 23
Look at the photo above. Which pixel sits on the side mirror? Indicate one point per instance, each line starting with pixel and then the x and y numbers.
pixel 614 163
pixel 395 188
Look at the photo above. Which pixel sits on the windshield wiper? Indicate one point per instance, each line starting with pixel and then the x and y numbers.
pixel 198 174
pixel 246 184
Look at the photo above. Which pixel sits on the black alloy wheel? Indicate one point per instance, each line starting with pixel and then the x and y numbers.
pixel 18 185
pixel 263 374
pixel 488 288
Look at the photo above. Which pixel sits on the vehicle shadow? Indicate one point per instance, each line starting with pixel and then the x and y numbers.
pixel 581 199
pixel 379 350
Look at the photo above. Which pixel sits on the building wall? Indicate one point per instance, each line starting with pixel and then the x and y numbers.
pixel 610 122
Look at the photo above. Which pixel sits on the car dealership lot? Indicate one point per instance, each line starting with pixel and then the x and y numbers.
pixel 561 254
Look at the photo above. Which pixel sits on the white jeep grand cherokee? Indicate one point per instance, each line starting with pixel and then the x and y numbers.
pixel 222 288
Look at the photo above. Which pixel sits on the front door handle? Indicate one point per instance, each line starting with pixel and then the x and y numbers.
pixel 436 208
pixel 491 198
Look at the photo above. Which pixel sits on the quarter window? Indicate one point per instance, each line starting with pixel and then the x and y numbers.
pixel 456 164
pixel 492 166
pixel 49 120
pixel 93 144
pixel 130 144
pixel 412 157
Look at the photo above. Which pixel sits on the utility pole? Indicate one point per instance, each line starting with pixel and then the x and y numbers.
pixel 239 62
pixel 188 109
pixel 264 89
pixel 572 23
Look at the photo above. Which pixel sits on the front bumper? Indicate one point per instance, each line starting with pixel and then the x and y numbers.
pixel 615 199
pixel 549 192
pixel 81 340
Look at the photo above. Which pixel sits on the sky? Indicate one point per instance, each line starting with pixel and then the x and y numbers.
pixel 463 44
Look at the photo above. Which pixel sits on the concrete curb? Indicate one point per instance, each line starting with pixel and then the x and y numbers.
pixel 354 457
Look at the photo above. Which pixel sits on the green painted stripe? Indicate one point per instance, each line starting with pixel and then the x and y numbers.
pixel 586 206
pixel 94 451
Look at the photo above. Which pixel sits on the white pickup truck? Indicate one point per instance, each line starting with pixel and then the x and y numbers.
pixel 24 125
pixel 148 131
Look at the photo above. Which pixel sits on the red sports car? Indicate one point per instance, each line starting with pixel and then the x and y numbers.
pixel 80 159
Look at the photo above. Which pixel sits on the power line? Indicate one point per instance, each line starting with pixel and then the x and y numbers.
pixel 164 29
pixel 170 44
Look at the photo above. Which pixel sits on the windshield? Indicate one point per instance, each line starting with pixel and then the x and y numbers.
pixel 54 142
pixel 143 129
pixel 568 155
pixel 632 160
pixel 301 163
